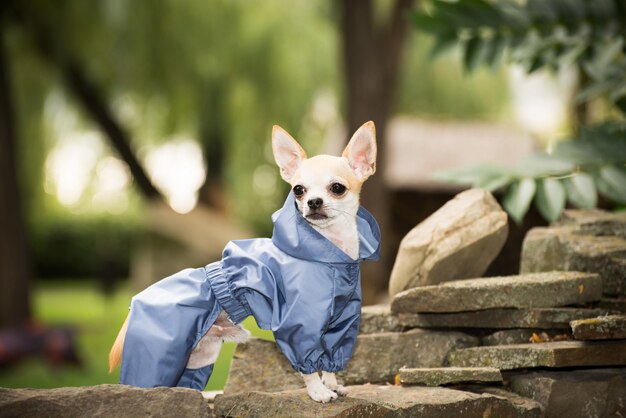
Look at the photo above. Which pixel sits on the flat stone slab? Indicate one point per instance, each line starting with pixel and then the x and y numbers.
pixel 523 336
pixel 609 327
pixel 115 401
pixel 575 393
pixel 259 365
pixel 458 241
pixel 375 401
pixel 445 375
pixel 613 304
pixel 536 318
pixel 523 291
pixel 595 222
pixel 378 318
pixel 560 248
pixel 551 354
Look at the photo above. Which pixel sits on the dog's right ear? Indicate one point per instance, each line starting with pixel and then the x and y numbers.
pixel 287 153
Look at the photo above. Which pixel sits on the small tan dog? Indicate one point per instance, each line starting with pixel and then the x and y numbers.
pixel 307 290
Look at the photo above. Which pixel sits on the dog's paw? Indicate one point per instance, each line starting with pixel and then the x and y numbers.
pixel 340 390
pixel 321 394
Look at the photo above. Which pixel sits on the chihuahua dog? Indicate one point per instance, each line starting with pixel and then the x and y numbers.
pixel 310 287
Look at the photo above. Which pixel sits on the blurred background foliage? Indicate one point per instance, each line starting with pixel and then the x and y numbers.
pixel 588 37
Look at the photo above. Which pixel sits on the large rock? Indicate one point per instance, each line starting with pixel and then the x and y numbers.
pixel 523 291
pixel 595 222
pixel 577 393
pixel 551 354
pixel 438 376
pixel 115 401
pixel 536 318
pixel 458 241
pixel 376 401
pixel 378 318
pixel 560 248
pixel 259 365
pixel 601 328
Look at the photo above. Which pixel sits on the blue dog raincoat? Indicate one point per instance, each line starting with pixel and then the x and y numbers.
pixel 298 284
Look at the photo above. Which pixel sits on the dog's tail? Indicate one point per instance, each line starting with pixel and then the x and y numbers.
pixel 115 356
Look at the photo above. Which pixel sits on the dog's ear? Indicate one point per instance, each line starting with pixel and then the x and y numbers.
pixel 287 153
pixel 361 151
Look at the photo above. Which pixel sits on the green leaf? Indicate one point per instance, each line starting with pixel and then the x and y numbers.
pixel 537 165
pixel 550 199
pixel 611 181
pixel 494 183
pixel 581 190
pixel 471 58
pixel 518 197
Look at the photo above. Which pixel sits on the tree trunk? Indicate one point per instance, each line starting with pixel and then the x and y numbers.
pixel 15 273
pixel 372 59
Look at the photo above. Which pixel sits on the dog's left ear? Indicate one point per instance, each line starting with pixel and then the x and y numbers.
pixel 361 151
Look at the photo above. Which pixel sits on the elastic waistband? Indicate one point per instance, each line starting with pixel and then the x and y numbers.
pixel 237 309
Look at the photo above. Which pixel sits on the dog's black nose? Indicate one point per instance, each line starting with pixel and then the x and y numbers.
pixel 315 203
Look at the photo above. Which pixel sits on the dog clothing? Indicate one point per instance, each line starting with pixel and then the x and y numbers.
pixel 297 284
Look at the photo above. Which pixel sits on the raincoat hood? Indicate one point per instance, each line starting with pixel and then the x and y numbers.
pixel 296 237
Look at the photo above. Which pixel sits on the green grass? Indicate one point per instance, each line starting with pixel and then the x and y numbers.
pixel 97 320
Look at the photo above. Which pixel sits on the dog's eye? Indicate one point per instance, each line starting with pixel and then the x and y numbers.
pixel 337 188
pixel 298 190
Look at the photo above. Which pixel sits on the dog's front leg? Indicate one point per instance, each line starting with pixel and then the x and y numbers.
pixel 330 381
pixel 316 389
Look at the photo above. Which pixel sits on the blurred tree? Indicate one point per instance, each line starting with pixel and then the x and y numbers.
pixel 589 37
pixel 15 273
pixel 373 42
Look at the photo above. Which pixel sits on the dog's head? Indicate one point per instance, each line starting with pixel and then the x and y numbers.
pixel 326 187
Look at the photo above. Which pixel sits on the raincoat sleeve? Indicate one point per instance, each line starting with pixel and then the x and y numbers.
pixel 166 321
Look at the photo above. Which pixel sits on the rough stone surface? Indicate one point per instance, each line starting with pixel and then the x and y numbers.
pixel 378 318
pixel 559 248
pixel 523 404
pixel 595 222
pixel 378 357
pixel 115 401
pixel 578 393
pixel 613 304
pixel 445 375
pixel 539 318
pixel 458 241
pixel 523 291
pixel 259 365
pixel 523 336
pixel 551 354
pixel 374 401
pixel 602 328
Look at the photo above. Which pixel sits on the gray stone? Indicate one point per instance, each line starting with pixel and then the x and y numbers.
pixel 551 354
pixel 259 365
pixel 378 357
pixel 445 375
pixel 613 304
pixel 559 248
pixel 115 401
pixel 378 318
pixel 539 318
pixel 576 393
pixel 458 241
pixel 523 336
pixel 374 401
pixel 523 404
pixel 524 291
pixel 602 328
pixel 595 222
